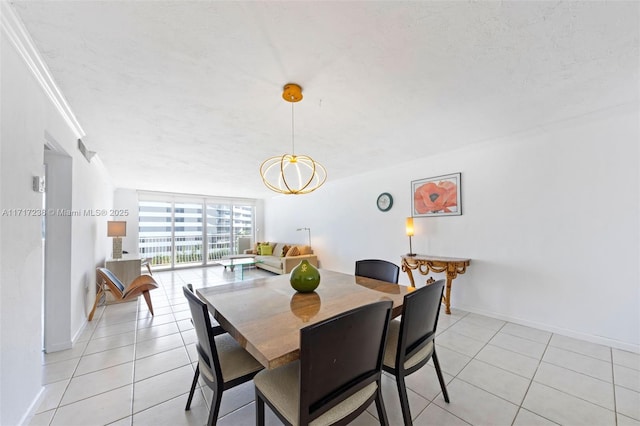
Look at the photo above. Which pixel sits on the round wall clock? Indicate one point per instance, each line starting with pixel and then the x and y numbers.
pixel 385 202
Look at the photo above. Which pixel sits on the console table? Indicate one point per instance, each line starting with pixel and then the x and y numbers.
pixel 423 264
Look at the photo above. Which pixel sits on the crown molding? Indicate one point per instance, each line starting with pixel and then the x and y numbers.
pixel 15 31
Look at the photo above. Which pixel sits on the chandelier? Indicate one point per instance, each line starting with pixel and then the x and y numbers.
pixel 291 173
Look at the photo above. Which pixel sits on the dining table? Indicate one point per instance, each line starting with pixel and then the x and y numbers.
pixel 265 315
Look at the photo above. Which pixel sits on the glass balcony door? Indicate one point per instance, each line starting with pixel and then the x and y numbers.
pixel 226 225
pixel 187 234
pixel 176 233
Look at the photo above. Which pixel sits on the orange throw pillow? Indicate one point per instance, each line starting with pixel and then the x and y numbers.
pixel 293 251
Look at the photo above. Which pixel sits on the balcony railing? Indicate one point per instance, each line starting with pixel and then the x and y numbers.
pixel 188 249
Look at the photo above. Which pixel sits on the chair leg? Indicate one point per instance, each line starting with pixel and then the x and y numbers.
pixel 193 387
pixel 149 268
pixel 259 410
pixel 215 407
pixel 147 298
pixel 95 304
pixel 382 413
pixel 404 400
pixel 443 386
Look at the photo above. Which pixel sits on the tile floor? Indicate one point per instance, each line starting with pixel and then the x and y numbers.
pixel 129 368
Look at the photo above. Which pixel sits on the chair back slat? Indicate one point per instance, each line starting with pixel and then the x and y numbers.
pixel 378 269
pixel 206 344
pixel 341 355
pixel 114 281
pixel 420 317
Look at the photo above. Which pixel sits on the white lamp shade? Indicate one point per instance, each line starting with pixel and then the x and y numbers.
pixel 116 228
pixel 409 226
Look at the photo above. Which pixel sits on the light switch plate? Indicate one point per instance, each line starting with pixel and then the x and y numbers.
pixel 38 184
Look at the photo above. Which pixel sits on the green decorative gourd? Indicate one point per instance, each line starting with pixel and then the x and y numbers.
pixel 304 278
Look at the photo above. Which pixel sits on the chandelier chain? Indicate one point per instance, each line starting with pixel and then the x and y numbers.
pixel 293 142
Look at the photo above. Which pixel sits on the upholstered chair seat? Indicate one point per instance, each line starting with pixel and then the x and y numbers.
pixel 281 387
pixel 392 347
pixel 235 361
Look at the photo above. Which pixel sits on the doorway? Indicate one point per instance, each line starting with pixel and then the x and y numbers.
pixel 56 293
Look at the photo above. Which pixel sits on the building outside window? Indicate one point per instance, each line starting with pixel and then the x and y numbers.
pixel 176 232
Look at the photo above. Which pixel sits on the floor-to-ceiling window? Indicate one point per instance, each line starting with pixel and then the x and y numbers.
pixel 228 224
pixel 184 231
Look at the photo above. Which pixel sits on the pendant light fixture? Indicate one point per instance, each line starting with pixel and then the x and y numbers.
pixel 291 173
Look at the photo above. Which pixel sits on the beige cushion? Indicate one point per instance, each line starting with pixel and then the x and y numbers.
pixel 281 387
pixel 293 251
pixel 278 250
pixel 235 361
pixel 392 348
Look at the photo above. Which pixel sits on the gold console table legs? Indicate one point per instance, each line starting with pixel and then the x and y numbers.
pixel 424 264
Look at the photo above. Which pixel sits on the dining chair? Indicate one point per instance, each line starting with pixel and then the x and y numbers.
pixel 378 270
pixel 338 374
pixel 222 362
pixel 216 329
pixel 411 340
pixel 108 282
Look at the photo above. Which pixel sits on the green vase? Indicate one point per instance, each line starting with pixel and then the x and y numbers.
pixel 305 277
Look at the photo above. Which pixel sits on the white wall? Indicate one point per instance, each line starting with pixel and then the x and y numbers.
pixel 21 245
pixel 550 221
pixel 93 191
pixel 26 115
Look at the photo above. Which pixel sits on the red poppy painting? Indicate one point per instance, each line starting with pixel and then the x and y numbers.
pixel 438 196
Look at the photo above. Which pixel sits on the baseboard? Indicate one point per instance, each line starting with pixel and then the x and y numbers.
pixel 60 347
pixel 625 346
pixel 26 418
pixel 30 412
pixel 75 337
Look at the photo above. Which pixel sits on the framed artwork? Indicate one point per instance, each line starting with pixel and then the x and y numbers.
pixel 436 196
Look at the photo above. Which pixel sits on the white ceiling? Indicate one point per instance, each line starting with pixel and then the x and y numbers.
pixel 185 96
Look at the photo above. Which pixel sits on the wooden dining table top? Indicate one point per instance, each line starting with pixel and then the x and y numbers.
pixel 265 315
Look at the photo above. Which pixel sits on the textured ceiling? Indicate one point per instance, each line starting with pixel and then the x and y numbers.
pixel 185 96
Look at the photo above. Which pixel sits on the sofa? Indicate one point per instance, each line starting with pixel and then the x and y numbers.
pixel 281 258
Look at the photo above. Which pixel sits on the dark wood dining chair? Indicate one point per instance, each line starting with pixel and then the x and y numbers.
pixel 222 362
pixel 338 374
pixel 216 329
pixel 108 282
pixel 411 340
pixel 378 270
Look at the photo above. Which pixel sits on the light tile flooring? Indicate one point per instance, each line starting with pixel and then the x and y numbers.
pixel 129 368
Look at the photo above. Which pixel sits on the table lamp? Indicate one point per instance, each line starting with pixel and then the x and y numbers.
pixel 409 228
pixel 117 229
